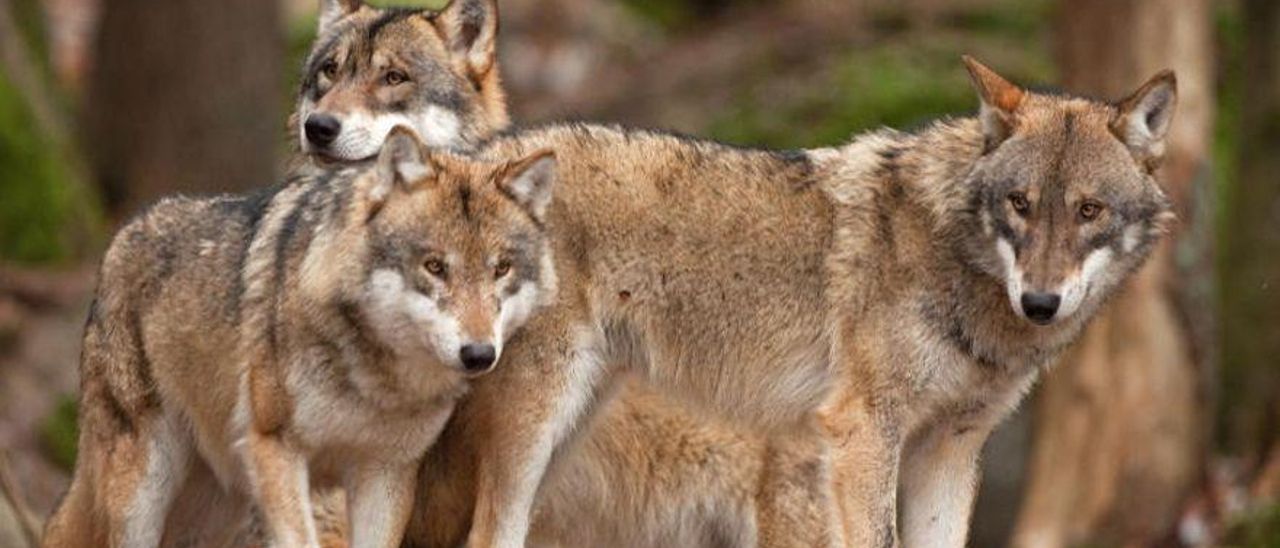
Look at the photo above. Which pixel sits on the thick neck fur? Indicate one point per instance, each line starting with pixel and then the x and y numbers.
pixel 313 274
pixel 911 197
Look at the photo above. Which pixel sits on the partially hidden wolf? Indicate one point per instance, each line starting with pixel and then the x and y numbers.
pixel 373 69
pixel 898 295
pixel 242 349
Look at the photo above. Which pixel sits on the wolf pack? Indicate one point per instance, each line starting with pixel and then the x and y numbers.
pixel 444 330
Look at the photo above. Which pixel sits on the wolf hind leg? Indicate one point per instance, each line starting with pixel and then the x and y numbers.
pixel 126 477
pixel 157 462
pixel 795 503
pixel 74 522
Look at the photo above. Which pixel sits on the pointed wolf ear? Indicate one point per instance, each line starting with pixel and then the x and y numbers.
pixel 470 28
pixel 333 10
pixel 402 162
pixel 1000 100
pixel 529 182
pixel 1142 120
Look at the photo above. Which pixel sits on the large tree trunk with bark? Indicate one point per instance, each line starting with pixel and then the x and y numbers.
pixel 1119 436
pixel 1250 287
pixel 184 97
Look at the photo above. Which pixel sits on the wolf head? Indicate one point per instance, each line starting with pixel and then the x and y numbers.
pixel 374 69
pixel 1065 193
pixel 458 257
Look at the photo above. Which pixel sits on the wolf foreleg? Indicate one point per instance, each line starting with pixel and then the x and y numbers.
pixel 379 499
pixel 527 408
pixel 866 447
pixel 281 490
pixel 939 481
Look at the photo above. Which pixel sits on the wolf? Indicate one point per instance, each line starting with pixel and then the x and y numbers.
pixel 650 472
pixel 316 333
pixel 372 69
pixel 651 452
pixel 900 293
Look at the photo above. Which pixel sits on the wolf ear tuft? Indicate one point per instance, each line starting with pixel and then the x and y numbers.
pixel 401 163
pixel 529 182
pixel 333 10
pixel 1142 120
pixel 1000 100
pixel 470 28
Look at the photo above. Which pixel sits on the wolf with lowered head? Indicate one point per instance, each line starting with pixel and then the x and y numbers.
pixel 316 333
pixel 898 295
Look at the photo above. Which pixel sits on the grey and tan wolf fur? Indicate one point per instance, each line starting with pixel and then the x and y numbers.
pixel 899 294
pixel 371 69
pixel 316 333
pixel 652 472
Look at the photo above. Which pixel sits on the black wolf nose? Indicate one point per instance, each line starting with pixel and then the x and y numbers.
pixel 477 358
pixel 1040 307
pixel 322 129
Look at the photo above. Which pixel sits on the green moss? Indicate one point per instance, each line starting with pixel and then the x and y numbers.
pixel 59 433
pixel 1260 529
pixel 901 81
pixel 36 184
pixel 893 87
pixel 1025 19
pixel 667 14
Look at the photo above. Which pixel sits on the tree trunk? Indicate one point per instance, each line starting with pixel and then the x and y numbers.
pixel 184 97
pixel 1251 271
pixel 1120 438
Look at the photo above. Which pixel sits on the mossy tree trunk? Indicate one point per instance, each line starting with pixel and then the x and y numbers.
pixel 184 97
pixel 1250 288
pixel 1119 436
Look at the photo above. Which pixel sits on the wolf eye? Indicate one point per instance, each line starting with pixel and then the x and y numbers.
pixel 395 78
pixel 434 266
pixel 1019 202
pixel 503 268
pixel 329 69
pixel 1090 210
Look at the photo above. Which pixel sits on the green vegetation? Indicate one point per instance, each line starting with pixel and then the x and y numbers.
pixel 669 14
pixel 881 87
pixel 900 83
pixel 59 433
pixel 1261 529
pixel 39 196
pixel 46 215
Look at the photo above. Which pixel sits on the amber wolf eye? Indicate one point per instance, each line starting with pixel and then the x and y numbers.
pixel 329 69
pixel 435 267
pixel 503 268
pixel 1019 202
pixel 1090 210
pixel 395 78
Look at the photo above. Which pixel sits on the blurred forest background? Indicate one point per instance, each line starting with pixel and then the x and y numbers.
pixel 1161 429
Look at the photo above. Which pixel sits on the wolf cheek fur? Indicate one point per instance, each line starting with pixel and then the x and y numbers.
pixel 896 256
pixel 266 344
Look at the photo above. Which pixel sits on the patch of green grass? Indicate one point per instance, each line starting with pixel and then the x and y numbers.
pixel 59 433
pixel 1024 19
pixel 898 88
pixel 1261 529
pixel 38 198
pixel 900 82
pixel 667 14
